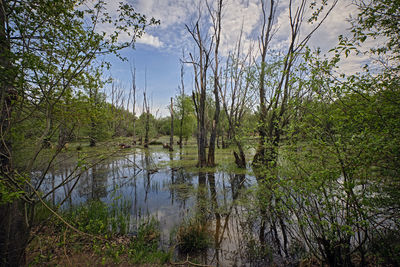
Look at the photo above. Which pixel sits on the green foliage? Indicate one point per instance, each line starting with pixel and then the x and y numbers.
pixel 384 248
pixel 337 175
pixel 379 19
pixel 92 217
pixel 8 194
pixel 96 217
pixel 141 125
pixel 53 72
pixel 184 113
pixel 145 246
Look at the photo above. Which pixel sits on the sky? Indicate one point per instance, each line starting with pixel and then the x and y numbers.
pixel 157 54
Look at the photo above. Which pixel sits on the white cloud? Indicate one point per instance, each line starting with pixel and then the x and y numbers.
pixel 151 40
pixel 239 15
pixel 171 35
pixel 112 8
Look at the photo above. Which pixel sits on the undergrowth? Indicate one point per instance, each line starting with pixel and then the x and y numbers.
pixel 104 237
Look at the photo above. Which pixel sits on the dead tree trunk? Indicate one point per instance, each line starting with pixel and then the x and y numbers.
pixel 200 68
pixel 147 122
pixel 171 138
pixel 92 135
pixel 216 17
pixel 235 96
pixel 133 73
pixel 271 126
pixel 182 108
pixel 261 154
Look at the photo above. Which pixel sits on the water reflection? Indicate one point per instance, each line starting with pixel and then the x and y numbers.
pixel 169 194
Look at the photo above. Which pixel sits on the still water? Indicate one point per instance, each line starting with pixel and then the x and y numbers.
pixel 150 187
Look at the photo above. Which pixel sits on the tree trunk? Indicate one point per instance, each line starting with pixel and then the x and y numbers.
pixel 211 149
pixel 171 138
pixel 146 134
pixel 147 122
pixel 13 229
pixel 240 159
pixel 134 104
pixel 217 34
pixel 13 234
pixel 260 156
pixel 92 138
pixel 182 108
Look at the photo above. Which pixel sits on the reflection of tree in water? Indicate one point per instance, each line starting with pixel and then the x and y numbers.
pixel 273 231
pixel 172 182
pixel 202 198
pixel 227 225
pixel 147 167
pixel 93 183
pixel 215 208
pixel 99 181
pixel 135 200
pixel 181 186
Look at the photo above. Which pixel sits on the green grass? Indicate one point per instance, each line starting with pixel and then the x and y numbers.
pixel 193 235
pixel 113 246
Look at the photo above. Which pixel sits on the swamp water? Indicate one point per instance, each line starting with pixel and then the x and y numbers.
pixel 147 185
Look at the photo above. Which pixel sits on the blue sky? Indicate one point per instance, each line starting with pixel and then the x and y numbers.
pixel 160 49
pixel 162 69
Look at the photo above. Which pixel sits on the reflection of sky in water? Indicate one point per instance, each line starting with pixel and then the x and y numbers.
pixel 165 194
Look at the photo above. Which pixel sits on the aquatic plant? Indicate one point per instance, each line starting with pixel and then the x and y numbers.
pixel 193 235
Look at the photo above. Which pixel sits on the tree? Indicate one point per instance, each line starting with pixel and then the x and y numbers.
pixel 216 16
pixel 133 92
pixel 378 19
pixel 182 112
pixel 185 116
pixel 45 48
pixel 171 139
pixel 339 193
pixel 236 95
pixel 201 66
pixel 273 111
pixel 146 112
pixel 200 69
pixel 275 100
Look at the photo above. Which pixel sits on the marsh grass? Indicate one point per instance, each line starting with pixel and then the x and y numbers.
pixel 57 244
pixel 193 235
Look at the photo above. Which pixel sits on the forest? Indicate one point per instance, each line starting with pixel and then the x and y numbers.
pixel 269 157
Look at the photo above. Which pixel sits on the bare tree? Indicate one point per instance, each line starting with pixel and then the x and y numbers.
pixel 201 65
pixel 236 95
pixel 265 39
pixel 146 111
pixel 216 19
pixel 182 110
pixel 200 68
pixel 171 138
pixel 133 92
pixel 273 111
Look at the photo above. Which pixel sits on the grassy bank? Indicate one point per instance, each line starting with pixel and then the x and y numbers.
pixel 99 235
